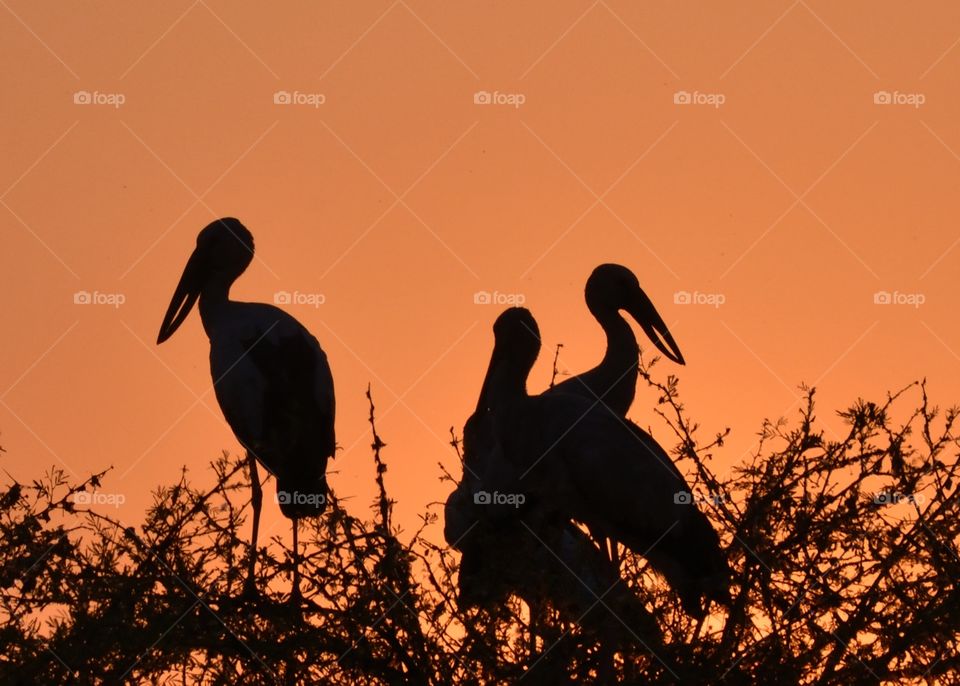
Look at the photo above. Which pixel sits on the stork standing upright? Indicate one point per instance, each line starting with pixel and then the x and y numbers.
pixel 270 376
pixel 573 460
pixel 485 577
pixel 613 381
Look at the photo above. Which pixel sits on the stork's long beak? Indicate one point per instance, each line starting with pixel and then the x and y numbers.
pixel 184 298
pixel 642 310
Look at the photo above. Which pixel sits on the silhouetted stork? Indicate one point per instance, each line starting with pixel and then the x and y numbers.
pixel 573 460
pixel 502 554
pixel 611 288
pixel 270 376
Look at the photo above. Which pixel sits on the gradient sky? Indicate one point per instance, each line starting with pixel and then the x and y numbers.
pixel 787 191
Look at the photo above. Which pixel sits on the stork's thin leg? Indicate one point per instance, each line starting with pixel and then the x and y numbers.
pixel 256 501
pixel 295 593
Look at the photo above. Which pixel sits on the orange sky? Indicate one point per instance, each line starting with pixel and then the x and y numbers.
pixel 397 198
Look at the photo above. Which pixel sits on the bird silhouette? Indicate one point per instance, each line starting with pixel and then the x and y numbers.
pixel 270 376
pixel 573 460
pixel 610 289
pixel 556 564
pixel 613 381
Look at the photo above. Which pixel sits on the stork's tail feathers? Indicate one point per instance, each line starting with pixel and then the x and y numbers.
pixel 694 565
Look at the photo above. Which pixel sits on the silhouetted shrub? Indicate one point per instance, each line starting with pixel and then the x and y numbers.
pixel 844 553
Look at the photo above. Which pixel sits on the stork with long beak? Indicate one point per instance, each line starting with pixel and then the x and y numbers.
pixel 612 383
pixel 610 289
pixel 270 376
pixel 574 460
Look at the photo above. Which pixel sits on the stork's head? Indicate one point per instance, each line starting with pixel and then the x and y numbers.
pixel 613 287
pixel 224 250
pixel 516 334
pixel 515 349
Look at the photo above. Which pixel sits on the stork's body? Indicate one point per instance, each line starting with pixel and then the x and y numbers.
pixel 504 551
pixel 534 555
pixel 275 388
pixel 573 460
pixel 270 376
pixel 612 383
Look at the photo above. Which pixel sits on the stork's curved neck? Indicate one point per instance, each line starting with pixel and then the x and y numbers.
pixel 621 341
pixel 509 384
pixel 615 378
pixel 506 381
pixel 214 302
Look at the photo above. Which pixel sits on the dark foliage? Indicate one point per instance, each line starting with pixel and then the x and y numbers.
pixel 845 559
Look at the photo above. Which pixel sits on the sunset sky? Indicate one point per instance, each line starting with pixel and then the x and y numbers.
pixel 791 165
